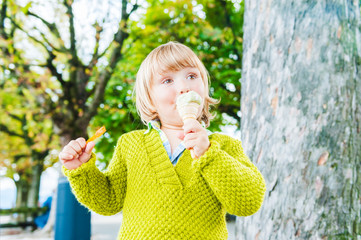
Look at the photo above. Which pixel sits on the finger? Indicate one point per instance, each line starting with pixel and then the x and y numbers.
pixel 81 142
pixel 181 136
pixel 190 136
pixel 194 127
pixel 188 129
pixel 65 156
pixel 190 144
pixel 69 150
pixel 87 152
pixel 89 147
pixel 191 125
pixel 72 164
pixel 76 146
pixel 193 154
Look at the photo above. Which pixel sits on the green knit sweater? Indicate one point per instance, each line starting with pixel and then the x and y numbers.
pixel 162 201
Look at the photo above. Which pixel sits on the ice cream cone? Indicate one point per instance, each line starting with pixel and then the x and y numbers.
pixel 188 106
pixel 189 111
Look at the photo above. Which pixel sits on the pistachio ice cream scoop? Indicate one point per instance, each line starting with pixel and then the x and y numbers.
pixel 188 105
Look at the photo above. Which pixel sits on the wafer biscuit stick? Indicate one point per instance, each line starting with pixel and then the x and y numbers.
pixel 97 134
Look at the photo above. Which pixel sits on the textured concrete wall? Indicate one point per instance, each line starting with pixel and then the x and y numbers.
pixel 301 115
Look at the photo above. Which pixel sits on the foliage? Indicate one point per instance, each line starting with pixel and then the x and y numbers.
pixel 81 85
pixel 25 130
pixel 63 85
pixel 45 86
pixel 213 29
pixel 26 135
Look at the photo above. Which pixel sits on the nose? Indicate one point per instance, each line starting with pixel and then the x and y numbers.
pixel 184 91
pixel 184 88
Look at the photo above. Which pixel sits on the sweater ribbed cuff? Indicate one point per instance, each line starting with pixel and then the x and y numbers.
pixel 83 168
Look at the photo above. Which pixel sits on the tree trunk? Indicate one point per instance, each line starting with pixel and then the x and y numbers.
pixel 37 170
pixel 22 193
pixel 301 115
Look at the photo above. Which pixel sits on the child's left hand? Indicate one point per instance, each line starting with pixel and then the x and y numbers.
pixel 195 137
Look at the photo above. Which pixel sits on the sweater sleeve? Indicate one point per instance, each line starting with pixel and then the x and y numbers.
pixel 235 181
pixel 102 192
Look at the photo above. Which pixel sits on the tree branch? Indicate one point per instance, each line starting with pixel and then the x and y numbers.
pixel 31 37
pixel 54 72
pixel 19 156
pixel 49 61
pixel 48 48
pixel 5 129
pixel 105 51
pixel 28 65
pixel 61 49
pixel 52 27
pixel 135 7
pixel 90 93
pixel 95 56
pixel 2 19
pixel 15 117
pixel 125 16
pixel 72 31
pixel 116 55
pixel 25 134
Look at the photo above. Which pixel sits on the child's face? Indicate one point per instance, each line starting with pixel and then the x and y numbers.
pixel 166 87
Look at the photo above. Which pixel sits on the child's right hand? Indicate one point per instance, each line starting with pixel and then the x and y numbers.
pixel 75 153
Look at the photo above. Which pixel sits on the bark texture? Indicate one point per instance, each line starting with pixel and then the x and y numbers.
pixel 301 115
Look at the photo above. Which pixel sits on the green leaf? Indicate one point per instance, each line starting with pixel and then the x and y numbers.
pixel 25 9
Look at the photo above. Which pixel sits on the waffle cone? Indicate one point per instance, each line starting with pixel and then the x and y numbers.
pixel 188 111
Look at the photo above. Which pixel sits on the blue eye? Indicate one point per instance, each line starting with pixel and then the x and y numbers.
pixel 167 81
pixel 192 76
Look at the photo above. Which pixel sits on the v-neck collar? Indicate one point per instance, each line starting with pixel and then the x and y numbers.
pixel 173 156
pixel 159 160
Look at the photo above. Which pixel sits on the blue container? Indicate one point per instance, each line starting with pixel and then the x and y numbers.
pixel 72 219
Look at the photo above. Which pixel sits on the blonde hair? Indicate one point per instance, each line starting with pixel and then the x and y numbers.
pixel 172 56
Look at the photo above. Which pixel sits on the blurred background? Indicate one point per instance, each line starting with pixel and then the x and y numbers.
pixel 68 67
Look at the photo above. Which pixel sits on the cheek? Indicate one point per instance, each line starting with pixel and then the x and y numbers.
pixel 200 89
pixel 163 98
